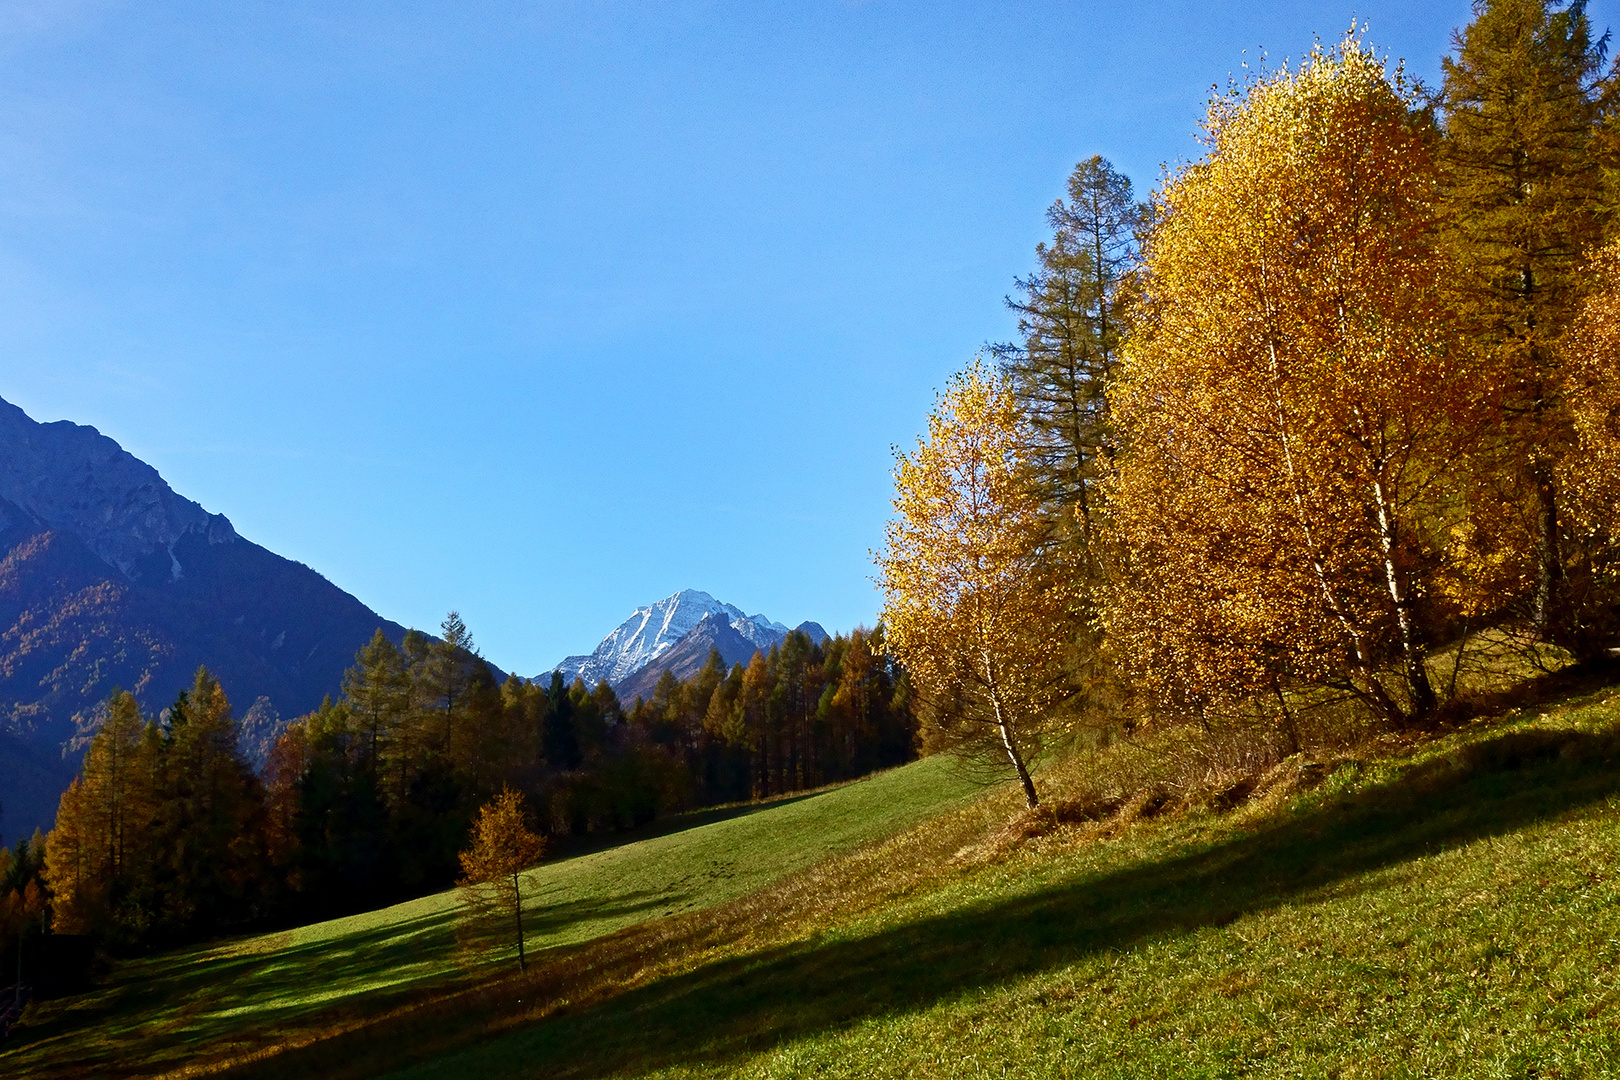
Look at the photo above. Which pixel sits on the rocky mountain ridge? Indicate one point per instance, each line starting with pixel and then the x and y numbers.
pixel 71 478
pixel 110 579
pixel 675 634
pixel 651 630
pixel 688 655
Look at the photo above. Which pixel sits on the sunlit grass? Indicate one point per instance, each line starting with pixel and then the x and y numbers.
pixel 213 1003
pixel 1449 910
pixel 1420 907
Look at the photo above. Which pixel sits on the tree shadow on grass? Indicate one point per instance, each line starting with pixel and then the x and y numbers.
pixel 160 1017
pixel 167 1006
pixel 545 920
pixel 727 1010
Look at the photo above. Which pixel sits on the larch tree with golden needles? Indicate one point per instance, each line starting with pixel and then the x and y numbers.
pixel 976 599
pixel 492 865
pixel 1529 116
pixel 1295 404
pixel 101 840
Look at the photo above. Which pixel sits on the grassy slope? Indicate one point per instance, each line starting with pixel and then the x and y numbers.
pixel 1451 909
pixel 208 1005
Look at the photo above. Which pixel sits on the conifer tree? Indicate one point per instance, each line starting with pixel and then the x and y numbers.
pixel 753 709
pixel 101 842
pixel 501 848
pixel 1072 330
pixel 377 693
pixel 560 740
pixel 1524 100
pixel 855 699
pixel 451 669
pixel 209 817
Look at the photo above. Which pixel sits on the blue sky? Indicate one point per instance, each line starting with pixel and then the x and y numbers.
pixel 542 311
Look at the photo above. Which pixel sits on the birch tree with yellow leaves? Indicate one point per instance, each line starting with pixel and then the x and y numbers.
pixel 977 601
pixel 1295 405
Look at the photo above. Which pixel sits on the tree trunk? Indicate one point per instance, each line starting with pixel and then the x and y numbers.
pixel 1549 561
pixel 1417 672
pixel 1289 727
pixel 1031 800
pixel 1004 726
pixel 517 897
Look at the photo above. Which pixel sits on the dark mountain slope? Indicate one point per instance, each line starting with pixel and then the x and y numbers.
pixel 813 631
pixel 108 579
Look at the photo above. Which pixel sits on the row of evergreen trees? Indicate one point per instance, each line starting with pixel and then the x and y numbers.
pixel 169 835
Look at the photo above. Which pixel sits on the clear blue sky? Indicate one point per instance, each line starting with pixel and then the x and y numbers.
pixel 545 310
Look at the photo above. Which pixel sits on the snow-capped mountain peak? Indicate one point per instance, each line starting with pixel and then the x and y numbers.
pixel 653 629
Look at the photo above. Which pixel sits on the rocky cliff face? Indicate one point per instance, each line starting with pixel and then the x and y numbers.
pixel 109 579
pixel 687 656
pixel 75 480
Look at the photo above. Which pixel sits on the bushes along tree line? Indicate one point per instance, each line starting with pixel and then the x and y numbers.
pixel 1342 396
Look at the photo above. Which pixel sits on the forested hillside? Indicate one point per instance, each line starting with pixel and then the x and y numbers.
pixel 170 834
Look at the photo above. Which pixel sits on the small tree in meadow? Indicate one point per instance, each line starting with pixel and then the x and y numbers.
pixel 491 887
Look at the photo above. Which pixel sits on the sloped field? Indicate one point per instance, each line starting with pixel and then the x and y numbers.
pixel 1435 908
pixel 1448 911
pixel 207 1006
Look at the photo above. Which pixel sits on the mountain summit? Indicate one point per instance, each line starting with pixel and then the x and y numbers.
pixel 73 479
pixel 109 578
pixel 653 629
pixel 667 635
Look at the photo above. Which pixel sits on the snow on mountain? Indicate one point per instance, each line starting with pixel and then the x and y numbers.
pixel 654 629
pixel 687 657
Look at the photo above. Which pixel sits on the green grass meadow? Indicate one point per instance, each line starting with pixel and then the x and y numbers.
pixel 188 1010
pixel 1451 912
pixel 1431 908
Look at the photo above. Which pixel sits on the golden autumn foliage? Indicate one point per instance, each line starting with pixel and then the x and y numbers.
pixel 103 823
pixel 501 848
pixel 1588 472
pixel 1528 109
pixel 977 603
pixel 1295 403
pixel 1592 470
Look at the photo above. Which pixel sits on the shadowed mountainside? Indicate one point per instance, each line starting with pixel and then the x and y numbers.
pixel 109 579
